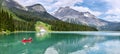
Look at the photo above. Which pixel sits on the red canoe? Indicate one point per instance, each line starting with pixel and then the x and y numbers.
pixel 25 40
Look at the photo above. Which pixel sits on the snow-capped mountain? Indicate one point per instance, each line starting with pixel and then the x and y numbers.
pixel 70 15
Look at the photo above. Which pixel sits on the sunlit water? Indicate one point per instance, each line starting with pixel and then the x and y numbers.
pixel 61 43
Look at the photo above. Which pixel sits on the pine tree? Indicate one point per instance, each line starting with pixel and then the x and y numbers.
pixel 6 21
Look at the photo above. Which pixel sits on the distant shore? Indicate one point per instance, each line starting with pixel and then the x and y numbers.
pixel 22 31
pixel 3 32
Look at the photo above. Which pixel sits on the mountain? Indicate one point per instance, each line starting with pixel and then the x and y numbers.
pixel 12 4
pixel 70 15
pixel 31 14
pixel 36 8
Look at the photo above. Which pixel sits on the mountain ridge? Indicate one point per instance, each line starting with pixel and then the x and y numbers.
pixel 36 8
pixel 70 15
pixel 34 16
pixel 73 14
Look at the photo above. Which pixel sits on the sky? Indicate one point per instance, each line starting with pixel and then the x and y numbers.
pixel 104 9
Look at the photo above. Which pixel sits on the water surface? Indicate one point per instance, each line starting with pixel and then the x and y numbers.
pixel 61 43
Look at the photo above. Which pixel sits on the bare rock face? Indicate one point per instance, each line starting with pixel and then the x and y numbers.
pixel 32 8
pixel 72 16
pixel 36 8
pixel 13 4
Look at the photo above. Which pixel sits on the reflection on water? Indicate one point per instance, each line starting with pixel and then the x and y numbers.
pixel 60 43
pixel 42 36
pixel 101 48
pixel 40 33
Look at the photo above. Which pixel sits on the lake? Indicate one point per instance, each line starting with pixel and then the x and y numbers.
pixel 61 43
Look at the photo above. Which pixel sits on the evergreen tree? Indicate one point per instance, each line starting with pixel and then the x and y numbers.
pixel 6 21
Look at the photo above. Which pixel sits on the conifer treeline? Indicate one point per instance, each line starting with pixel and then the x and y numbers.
pixel 8 23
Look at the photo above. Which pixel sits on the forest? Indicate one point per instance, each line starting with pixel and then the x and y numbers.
pixel 8 22
pixel 56 25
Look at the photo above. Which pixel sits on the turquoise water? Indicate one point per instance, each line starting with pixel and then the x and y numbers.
pixel 61 43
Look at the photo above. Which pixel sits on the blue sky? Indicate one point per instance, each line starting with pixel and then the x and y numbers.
pixel 104 9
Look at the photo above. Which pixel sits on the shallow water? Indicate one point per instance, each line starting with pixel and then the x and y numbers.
pixel 61 43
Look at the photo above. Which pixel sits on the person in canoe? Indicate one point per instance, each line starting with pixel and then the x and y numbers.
pixel 24 41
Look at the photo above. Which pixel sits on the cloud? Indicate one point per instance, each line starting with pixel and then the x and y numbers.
pixel 49 4
pixel 112 18
pixel 48 0
pixel 29 2
pixel 113 3
pixel 61 3
pixel 113 13
pixel 66 2
pixel 53 5
pixel 115 7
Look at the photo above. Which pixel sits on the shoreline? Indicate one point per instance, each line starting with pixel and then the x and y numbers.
pixel 22 31
pixel 55 31
pixel 14 32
